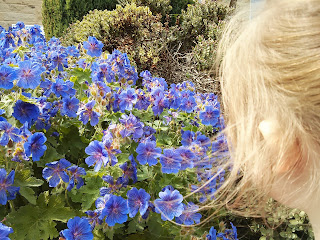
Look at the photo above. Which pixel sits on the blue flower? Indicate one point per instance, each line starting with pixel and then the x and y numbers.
pixel 220 144
pixel 212 234
pixel 229 234
pixel 127 99
pixel 142 100
pixel 70 107
pixel 189 215
pixel 160 104
pixel 8 39
pixel 73 51
pixel 170 161
pixel 7 75
pixel 20 25
pixel 60 88
pixel 132 127
pixel 5 231
pixel 115 211
pixel 210 116
pixel 93 47
pixel 114 186
pixel 35 146
pixel 9 133
pixel 188 104
pixel 100 89
pixel 138 200
pixel 56 171
pixel 108 145
pixel 103 73
pixel 98 155
pixel 25 112
pixel 6 186
pixel 87 113
pixel 101 202
pixel 170 204
pixel 60 60
pixel 93 218
pixel 24 130
pixel 187 156
pixel 29 74
pixel 75 173
pixel 148 152
pixel 187 138
pixel 78 229
pixel 129 171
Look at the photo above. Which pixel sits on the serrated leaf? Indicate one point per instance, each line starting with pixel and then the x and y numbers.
pixel 38 221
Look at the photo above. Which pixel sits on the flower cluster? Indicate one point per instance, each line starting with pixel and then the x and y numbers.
pixel 228 234
pixel 80 104
pixel 62 171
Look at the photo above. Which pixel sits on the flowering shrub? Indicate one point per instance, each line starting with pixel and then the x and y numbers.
pixel 94 149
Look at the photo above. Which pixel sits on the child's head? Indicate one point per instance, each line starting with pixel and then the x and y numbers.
pixel 270 79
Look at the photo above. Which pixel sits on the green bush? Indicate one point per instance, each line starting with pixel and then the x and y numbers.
pixel 58 14
pixel 161 6
pixel 204 52
pixel 201 19
pixel 131 29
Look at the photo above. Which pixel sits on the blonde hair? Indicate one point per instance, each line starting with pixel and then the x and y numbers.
pixel 270 69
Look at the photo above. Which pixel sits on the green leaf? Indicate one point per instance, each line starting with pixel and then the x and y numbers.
pixel 81 74
pixel 26 99
pixel 98 235
pixel 29 182
pixel 50 155
pixel 38 221
pixel 26 182
pixel 21 51
pixel 7 102
pixel 155 225
pixel 123 157
pixel 135 226
pixel 295 222
pixel 28 193
pixel 87 194
pixel 110 233
pixel 144 173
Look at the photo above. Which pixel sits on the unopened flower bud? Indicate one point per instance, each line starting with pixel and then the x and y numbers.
pixel 103 102
pixel 108 95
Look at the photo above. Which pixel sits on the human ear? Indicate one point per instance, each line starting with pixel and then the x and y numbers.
pixel 269 130
pixel 291 159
